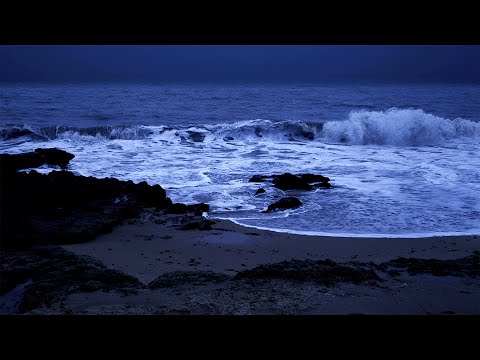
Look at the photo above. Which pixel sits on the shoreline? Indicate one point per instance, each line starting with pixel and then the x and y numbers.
pixel 350 235
pixel 147 250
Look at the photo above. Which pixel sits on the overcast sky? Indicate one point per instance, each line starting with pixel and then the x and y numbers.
pixel 239 63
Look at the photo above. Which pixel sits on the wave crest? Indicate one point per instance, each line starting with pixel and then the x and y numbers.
pixel 398 127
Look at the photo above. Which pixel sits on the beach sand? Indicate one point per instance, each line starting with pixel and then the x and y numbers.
pixel 147 250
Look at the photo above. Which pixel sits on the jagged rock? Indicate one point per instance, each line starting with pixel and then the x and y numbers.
pixel 196 209
pixel 326 272
pixel 55 272
pixel 177 278
pixel 467 266
pixel 289 181
pixel 63 208
pixel 285 203
pixel 260 191
pixel 39 157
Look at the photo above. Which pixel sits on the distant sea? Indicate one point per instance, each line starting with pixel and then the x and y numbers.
pixel 403 160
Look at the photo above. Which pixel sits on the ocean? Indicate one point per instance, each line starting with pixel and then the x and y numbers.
pixel 404 160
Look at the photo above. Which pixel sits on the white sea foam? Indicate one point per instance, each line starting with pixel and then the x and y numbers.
pixel 387 181
pixel 398 127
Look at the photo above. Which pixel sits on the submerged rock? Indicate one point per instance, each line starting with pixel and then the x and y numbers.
pixel 260 191
pixel 285 203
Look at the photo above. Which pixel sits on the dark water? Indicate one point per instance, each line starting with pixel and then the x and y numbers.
pixel 99 105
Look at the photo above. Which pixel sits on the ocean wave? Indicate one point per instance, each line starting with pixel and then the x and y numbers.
pixel 398 127
pixel 242 130
pixel 126 132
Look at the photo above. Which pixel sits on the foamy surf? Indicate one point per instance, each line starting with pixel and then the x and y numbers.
pixel 396 173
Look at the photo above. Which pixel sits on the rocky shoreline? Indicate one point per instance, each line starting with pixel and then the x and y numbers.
pixel 41 212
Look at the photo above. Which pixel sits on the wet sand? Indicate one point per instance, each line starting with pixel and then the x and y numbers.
pixel 147 250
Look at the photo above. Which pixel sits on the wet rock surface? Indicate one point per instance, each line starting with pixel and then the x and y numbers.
pixel 61 208
pixel 285 203
pixel 260 191
pixel 39 157
pixel 179 208
pixel 289 181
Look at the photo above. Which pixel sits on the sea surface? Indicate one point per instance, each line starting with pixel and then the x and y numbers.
pixel 403 160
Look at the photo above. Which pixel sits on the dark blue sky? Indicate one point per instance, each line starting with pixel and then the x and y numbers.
pixel 240 63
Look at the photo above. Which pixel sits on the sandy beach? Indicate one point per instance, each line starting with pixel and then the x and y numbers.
pixel 147 250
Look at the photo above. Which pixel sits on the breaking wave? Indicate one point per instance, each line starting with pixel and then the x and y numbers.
pixel 398 127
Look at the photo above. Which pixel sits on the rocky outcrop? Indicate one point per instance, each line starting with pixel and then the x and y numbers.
pixel 53 273
pixel 326 272
pixel 467 266
pixel 289 181
pixel 285 203
pixel 54 157
pixel 177 278
pixel 63 208
pixel 179 208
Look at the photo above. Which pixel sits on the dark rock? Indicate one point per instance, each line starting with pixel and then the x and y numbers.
pixel 54 157
pixel 177 278
pixel 258 178
pixel 260 191
pixel 467 266
pixel 288 181
pixel 63 208
pixel 285 203
pixel 312 178
pixel 55 273
pixel 196 209
pixel 325 272
pixel 203 224
pixel 228 138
